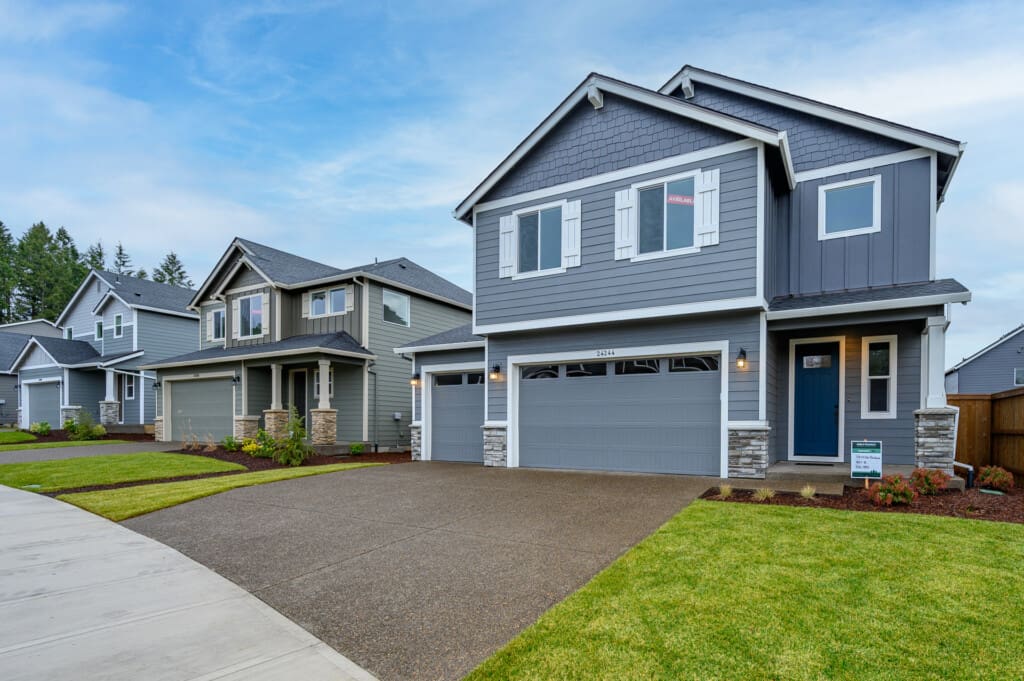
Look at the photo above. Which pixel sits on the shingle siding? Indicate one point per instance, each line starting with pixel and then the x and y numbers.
pixel 428 359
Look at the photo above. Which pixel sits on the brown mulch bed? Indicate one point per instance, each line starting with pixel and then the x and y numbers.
pixel 254 464
pixel 972 503
pixel 62 436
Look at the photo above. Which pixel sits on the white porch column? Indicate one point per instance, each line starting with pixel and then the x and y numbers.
pixel 936 376
pixel 325 377
pixel 275 386
pixel 111 394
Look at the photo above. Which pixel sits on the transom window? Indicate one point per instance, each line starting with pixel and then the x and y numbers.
pixel 1018 376
pixel 218 325
pixel 447 379
pixel 118 326
pixel 878 384
pixel 539 235
pixel 637 366
pixel 665 216
pixel 626 367
pixel 396 308
pixel 329 302
pixel 98 330
pixel 850 208
pixel 250 316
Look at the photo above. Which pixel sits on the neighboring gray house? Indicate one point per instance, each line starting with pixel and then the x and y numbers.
pixel 704 279
pixel 994 368
pixel 279 331
pixel 111 325
pixel 13 338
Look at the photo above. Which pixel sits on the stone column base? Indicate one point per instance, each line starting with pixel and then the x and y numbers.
pixel 276 423
pixel 748 452
pixel 935 438
pixel 109 412
pixel 495 446
pixel 158 428
pixel 245 427
pixel 324 430
pixel 416 441
pixel 69 414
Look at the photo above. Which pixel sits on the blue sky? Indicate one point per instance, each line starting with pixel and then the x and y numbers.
pixel 346 131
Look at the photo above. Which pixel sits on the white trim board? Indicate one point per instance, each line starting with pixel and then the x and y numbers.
pixel 863 164
pixel 876 207
pixel 259 355
pixel 426 374
pixel 840 452
pixel 870 306
pixel 410 349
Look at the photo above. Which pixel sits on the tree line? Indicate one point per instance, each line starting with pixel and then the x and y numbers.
pixel 40 271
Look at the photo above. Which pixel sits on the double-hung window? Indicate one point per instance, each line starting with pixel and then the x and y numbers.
pixel 665 216
pixel 118 325
pixel 328 302
pixel 217 322
pixel 850 208
pixel 396 308
pixel 539 240
pixel 878 378
pixel 250 316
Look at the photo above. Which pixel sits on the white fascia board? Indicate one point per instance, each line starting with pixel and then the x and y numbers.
pixel 32 343
pixel 159 310
pixel 124 358
pixel 787 160
pixel 74 298
pixel 863 164
pixel 211 277
pixel 637 94
pixel 27 321
pixel 952 171
pixel 871 306
pixel 826 111
pixel 257 355
pixel 986 349
pixel 379 280
pixel 439 347
pixel 729 304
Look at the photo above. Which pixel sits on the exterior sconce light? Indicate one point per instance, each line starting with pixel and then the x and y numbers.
pixel 415 380
pixel 236 379
pixel 495 374
pixel 157 385
pixel 741 359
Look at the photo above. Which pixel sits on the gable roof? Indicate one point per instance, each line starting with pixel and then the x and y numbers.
pixel 592 87
pixel 11 327
pixel 65 353
pixel 11 345
pixel 452 339
pixel 136 293
pixel 341 344
pixel 289 271
pixel 988 348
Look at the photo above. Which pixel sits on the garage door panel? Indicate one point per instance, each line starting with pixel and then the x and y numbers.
pixel 203 407
pixel 456 417
pixel 44 404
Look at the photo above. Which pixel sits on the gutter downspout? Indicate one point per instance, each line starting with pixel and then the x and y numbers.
pixel 369 370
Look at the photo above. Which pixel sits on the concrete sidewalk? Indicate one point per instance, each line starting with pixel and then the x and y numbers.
pixel 51 453
pixel 85 598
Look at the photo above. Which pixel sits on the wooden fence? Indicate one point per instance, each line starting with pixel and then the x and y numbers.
pixel 991 431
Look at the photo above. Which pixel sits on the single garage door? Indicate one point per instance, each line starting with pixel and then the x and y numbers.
pixel 44 404
pixel 202 407
pixel 656 415
pixel 456 417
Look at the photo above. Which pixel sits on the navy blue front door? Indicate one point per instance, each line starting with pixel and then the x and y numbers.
pixel 816 400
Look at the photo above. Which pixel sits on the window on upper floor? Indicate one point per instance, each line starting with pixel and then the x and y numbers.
pixel 850 207
pixel 539 240
pixel 69 333
pixel 539 237
pixel 118 325
pixel 98 330
pixel 878 378
pixel 217 325
pixel 396 308
pixel 1018 376
pixel 665 216
pixel 328 302
pixel 250 316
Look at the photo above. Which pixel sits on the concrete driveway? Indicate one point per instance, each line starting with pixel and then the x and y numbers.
pixel 421 571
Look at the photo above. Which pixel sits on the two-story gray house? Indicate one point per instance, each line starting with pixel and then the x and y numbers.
pixel 111 325
pixel 279 331
pixel 703 279
pixel 996 367
pixel 13 337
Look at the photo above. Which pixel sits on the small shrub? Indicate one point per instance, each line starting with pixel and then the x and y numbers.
pixel 356 448
pixel 84 429
pixel 995 477
pixel 40 428
pixel 250 446
pixel 211 444
pixel 808 491
pixel 724 491
pixel 929 480
pixel 265 445
pixel 70 427
pixel 99 432
pixel 764 494
pixel 293 450
pixel 892 490
pixel 231 444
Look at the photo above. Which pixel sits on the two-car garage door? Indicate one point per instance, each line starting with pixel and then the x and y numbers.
pixel 201 408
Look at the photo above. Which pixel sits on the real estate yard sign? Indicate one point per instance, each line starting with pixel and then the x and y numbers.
pixel 866 459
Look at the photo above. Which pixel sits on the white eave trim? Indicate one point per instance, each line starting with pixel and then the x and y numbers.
pixel 632 92
pixel 870 306
pixel 32 342
pixel 988 348
pixel 27 321
pixel 74 298
pixel 258 355
pixel 122 358
pixel 787 160
pixel 466 345
pixel 160 310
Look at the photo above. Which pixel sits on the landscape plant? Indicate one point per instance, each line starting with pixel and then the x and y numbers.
pixel 808 491
pixel 892 490
pixel 293 450
pixel 995 477
pixel 84 428
pixel 356 448
pixel 928 481
pixel 764 494
pixel 231 444
pixel 40 428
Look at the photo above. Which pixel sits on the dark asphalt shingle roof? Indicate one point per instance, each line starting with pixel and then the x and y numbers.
pixel 284 267
pixel 148 293
pixel 460 334
pixel 69 351
pixel 11 345
pixel 326 341
pixel 868 295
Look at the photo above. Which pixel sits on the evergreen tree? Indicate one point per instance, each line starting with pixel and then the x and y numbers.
pixel 122 261
pixel 36 268
pixel 68 272
pixel 8 275
pixel 96 257
pixel 141 274
pixel 172 272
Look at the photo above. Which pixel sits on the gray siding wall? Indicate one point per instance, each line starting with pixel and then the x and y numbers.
pixel 9 394
pixel 601 283
pixel 589 142
pixel 348 400
pixel 897 435
pixel 258 389
pixel 81 318
pixel 163 336
pixel 33 328
pixel 37 357
pixel 203 343
pixel 993 371
pixel 42 372
pixel 741 329
pixel 775 376
pixel 898 254
pixel 427 318
pixel 293 323
pixel 87 388
pixel 427 359
pixel 150 395
pixel 814 142
pixel 269 318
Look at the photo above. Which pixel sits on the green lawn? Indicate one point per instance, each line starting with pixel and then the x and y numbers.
pixel 59 445
pixel 11 437
pixel 736 591
pixel 52 476
pixel 128 502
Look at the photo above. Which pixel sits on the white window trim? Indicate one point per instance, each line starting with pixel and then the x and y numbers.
pixel 263 318
pixel 1015 376
pixel 118 324
pixel 537 209
pixel 865 394
pixel 316 383
pixel 223 326
pixel 97 329
pixel 398 293
pixel 665 253
pixel 129 381
pixel 876 208
pixel 330 312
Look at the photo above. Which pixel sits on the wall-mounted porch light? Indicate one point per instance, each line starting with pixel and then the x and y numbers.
pixel 157 385
pixel 495 374
pixel 741 359
pixel 415 380
pixel 236 379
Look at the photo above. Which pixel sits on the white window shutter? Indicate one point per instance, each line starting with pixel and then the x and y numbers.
pixel 305 305
pixel 625 224
pixel 266 314
pixel 572 233
pixel 507 246
pixel 234 318
pixel 209 327
pixel 350 298
pixel 707 208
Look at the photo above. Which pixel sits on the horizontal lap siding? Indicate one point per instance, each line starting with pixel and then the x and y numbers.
pixel 993 371
pixel 601 283
pixel 348 400
pixel 9 394
pixel 80 317
pixel 41 372
pixel 258 392
pixel 87 388
pixel 162 336
pixel 741 330
pixel 424 360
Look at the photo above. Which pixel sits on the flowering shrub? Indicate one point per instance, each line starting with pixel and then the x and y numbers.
pixel 250 446
pixel 893 489
pixel 929 480
pixel 995 477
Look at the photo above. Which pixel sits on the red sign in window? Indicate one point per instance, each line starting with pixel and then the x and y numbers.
pixel 680 200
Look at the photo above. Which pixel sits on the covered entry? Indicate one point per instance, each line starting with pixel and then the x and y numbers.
pixel 652 414
pixel 44 403
pixel 456 416
pixel 200 407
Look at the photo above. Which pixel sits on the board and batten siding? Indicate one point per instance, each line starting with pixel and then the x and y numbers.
pixel 603 284
pixel 293 323
pixel 206 309
pixel 992 372
pixel 427 317
pixel 740 329
pixel 162 336
pixel 269 318
pixel 428 359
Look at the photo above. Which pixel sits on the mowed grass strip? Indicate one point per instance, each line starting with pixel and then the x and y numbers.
pixel 65 443
pixel 12 437
pixel 128 502
pixel 109 469
pixel 737 591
